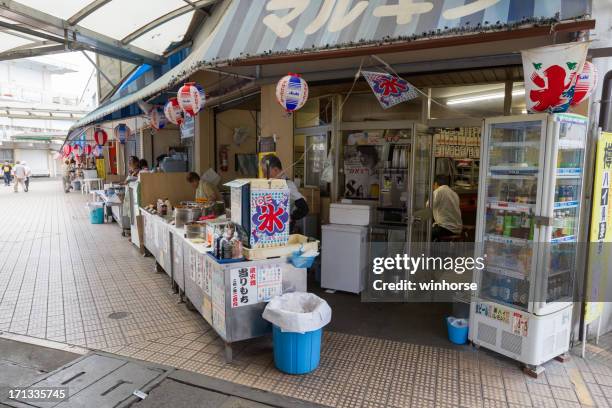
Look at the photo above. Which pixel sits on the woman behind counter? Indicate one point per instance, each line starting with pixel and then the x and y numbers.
pixel 204 190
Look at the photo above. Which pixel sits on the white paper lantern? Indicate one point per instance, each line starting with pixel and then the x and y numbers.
pixel 173 112
pixel 122 131
pixel 77 149
pixel 191 98
pixel 292 92
pixel 157 118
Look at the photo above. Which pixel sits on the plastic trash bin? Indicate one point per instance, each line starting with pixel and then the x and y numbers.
pixel 298 319
pixel 457 330
pixel 96 213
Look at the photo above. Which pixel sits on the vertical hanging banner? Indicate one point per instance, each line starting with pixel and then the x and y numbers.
pixel 390 90
pixel 550 75
pixel 600 242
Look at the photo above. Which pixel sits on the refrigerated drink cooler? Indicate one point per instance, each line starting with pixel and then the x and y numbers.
pixel 530 194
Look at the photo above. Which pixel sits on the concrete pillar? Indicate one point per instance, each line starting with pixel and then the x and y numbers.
pixel 204 143
pixel 275 121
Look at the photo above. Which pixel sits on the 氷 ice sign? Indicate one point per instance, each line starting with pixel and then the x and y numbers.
pixel 269 218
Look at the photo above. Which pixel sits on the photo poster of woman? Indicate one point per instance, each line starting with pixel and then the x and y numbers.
pixel 362 161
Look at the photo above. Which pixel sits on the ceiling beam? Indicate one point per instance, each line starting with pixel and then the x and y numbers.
pixel 83 38
pixel 31 52
pixel 32 45
pixel 197 5
pixel 87 10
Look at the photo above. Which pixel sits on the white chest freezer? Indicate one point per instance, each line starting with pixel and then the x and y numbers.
pixel 344 257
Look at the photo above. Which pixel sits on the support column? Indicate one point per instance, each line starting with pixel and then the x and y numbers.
pixel 508 98
pixel 274 121
pixel 204 143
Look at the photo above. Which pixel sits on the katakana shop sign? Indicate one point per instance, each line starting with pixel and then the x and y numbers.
pixel 251 28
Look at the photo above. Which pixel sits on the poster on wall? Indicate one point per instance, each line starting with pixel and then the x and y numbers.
pixel 600 251
pixel 361 177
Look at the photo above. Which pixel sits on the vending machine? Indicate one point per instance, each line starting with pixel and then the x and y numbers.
pixel 530 194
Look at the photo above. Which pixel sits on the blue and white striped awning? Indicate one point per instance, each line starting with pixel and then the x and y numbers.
pixel 256 28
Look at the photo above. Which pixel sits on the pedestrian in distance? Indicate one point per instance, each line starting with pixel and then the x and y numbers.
pixel 66 176
pixel 28 171
pixel 19 172
pixel 6 172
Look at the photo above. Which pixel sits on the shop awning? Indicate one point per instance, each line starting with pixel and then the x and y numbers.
pixel 250 32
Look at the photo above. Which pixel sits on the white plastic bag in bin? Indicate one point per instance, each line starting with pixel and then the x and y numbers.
pixel 298 312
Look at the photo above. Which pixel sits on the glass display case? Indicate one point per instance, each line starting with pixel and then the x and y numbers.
pixel 527 231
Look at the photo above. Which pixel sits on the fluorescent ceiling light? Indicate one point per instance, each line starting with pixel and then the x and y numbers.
pixel 484 97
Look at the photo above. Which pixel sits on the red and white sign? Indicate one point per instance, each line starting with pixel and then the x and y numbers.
pixel 550 75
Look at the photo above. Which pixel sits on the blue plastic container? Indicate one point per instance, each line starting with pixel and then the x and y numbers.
pixel 457 330
pixel 296 353
pixel 300 261
pixel 96 215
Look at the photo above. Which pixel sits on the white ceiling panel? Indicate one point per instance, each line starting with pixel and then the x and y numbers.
pixel 157 40
pixel 63 9
pixel 119 18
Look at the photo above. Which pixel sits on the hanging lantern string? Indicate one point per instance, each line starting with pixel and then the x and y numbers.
pixel 355 79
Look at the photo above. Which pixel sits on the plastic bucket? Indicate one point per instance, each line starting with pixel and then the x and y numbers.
pixel 457 330
pixel 296 353
pixel 96 214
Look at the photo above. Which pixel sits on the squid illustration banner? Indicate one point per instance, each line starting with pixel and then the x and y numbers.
pixel 550 75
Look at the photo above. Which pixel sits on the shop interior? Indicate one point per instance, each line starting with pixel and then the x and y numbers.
pixel 386 159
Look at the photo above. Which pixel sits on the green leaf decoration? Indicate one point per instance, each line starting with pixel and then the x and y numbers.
pixel 572 65
pixel 537 66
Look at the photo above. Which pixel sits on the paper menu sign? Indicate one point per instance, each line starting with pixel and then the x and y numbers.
pixel 243 284
pixel 269 282
pixel 218 301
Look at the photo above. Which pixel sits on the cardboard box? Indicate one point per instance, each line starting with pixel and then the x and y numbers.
pixel 313 199
pixel 261 206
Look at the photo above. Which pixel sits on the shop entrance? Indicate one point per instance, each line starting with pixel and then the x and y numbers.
pixel 390 167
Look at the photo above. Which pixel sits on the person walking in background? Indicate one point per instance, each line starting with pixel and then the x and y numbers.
pixel 67 171
pixel 6 172
pixel 19 172
pixel 28 172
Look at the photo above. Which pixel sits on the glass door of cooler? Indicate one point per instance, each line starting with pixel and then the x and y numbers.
pixel 510 197
pixel 562 205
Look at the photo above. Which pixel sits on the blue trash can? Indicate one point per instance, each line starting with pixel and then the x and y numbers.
pixel 296 353
pixel 96 213
pixel 457 330
pixel 297 328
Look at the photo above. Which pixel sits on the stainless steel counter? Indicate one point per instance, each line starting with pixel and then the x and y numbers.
pixel 230 296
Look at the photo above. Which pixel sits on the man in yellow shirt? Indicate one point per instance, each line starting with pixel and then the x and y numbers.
pixel 204 190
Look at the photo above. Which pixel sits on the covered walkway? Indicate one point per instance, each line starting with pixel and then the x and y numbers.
pixel 66 280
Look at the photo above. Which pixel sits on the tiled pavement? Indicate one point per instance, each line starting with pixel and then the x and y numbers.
pixel 61 278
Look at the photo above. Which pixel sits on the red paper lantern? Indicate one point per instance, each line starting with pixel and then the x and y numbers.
pixel 173 112
pixel 88 150
pixel 585 84
pixel 100 136
pixel 191 98
pixel 67 150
